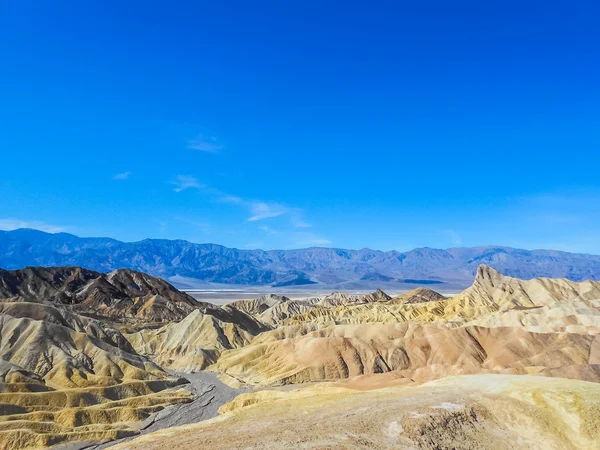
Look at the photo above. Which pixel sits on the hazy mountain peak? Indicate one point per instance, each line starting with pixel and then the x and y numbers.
pixel 340 269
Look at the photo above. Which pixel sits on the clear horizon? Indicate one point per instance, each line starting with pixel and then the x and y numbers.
pixel 279 126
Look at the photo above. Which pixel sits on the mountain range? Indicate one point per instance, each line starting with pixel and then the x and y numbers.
pixel 187 264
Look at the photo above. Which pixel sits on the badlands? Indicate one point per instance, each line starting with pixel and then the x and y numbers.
pixel 93 360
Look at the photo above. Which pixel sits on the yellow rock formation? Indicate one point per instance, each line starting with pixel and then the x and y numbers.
pixel 417 352
pixel 192 344
pixel 58 384
pixel 490 293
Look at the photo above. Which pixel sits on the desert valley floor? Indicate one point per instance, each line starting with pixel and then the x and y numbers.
pixel 124 360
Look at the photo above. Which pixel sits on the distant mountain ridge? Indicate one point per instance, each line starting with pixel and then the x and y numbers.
pixel 340 268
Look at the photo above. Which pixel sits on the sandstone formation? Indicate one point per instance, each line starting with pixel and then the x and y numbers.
pixel 272 309
pixel 60 315
pixel 58 384
pixel 341 299
pixel 276 314
pixel 419 295
pixel 491 292
pixel 197 341
pixel 259 305
pixel 417 352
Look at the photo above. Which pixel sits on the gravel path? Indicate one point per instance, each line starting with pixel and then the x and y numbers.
pixel 210 395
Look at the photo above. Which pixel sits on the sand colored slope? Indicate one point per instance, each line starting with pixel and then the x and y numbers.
pixel 197 341
pixel 470 412
pixel 65 376
pixel 281 311
pixel 436 311
pixel 575 317
pixel 258 305
pixel 59 384
pixel 490 293
pixel 492 286
pixel 342 299
pixel 272 309
pixel 68 359
pixel 418 295
pixel 40 419
pixel 59 315
pixel 419 353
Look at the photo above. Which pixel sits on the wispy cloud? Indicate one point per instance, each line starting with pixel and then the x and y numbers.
pixel 122 176
pixel 268 230
pixel 183 182
pixel 262 210
pixel 205 144
pixel 231 199
pixel 259 211
pixel 298 222
pixel 13 224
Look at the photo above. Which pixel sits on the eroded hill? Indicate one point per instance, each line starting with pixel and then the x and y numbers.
pixel 120 294
pixel 64 377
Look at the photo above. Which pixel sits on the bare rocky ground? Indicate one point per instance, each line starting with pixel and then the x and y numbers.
pixel 210 393
pixel 467 412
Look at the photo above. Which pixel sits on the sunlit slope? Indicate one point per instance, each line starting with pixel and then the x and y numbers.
pixel 58 384
pixel 273 310
pixel 59 315
pixel 342 299
pixel 490 293
pixel 470 412
pixel 418 295
pixel 197 341
pixel 418 352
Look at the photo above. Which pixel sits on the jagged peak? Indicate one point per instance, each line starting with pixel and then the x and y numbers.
pixel 195 314
pixel 422 289
pixel 486 274
pixel 272 296
pixel 381 294
pixel 418 295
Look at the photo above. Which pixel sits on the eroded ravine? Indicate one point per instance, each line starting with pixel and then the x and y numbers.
pixel 210 394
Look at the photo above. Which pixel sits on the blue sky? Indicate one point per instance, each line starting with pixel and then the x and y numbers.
pixel 388 125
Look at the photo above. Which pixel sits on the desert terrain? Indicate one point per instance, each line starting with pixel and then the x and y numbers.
pixel 125 360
